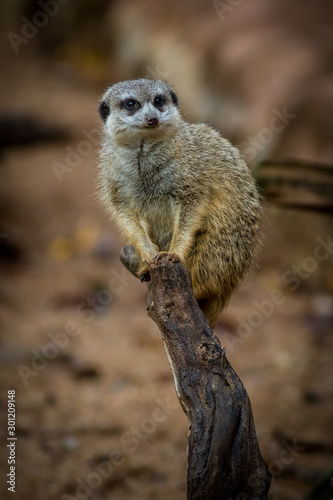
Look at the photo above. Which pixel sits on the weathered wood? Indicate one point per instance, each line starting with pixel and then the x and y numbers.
pixel 224 460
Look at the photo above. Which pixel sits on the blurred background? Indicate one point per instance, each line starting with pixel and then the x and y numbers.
pixel 97 414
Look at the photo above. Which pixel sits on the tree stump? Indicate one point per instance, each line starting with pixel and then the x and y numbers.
pixel 224 460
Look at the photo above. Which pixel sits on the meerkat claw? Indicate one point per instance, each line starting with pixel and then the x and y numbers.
pixel 174 258
pixel 144 277
pixel 160 256
pixel 170 257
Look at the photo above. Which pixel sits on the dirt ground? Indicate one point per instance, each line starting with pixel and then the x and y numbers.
pixel 96 412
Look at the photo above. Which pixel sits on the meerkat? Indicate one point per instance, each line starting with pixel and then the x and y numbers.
pixel 178 187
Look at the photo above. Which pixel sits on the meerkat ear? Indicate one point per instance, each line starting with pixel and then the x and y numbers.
pixel 174 98
pixel 104 111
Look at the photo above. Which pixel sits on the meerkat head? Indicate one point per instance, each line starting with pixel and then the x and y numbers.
pixel 137 110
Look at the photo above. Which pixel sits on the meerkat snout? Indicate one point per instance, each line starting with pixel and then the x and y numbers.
pixel 152 121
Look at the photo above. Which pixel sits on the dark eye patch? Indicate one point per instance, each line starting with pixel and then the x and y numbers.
pixel 104 111
pixel 130 104
pixel 159 101
pixel 174 98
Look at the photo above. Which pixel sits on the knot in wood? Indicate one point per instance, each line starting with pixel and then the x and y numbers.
pixel 210 351
pixel 168 308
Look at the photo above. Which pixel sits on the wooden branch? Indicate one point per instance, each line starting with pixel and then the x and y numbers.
pixel 224 460
pixel 297 184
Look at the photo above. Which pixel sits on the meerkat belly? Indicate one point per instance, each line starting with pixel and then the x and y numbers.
pixel 161 221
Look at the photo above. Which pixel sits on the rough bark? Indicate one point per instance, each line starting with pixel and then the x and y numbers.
pixel 224 460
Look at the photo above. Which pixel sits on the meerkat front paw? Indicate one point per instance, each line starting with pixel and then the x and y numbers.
pixel 171 257
pixel 143 272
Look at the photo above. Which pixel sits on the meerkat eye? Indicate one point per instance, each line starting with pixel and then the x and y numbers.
pixel 131 104
pixel 104 111
pixel 159 101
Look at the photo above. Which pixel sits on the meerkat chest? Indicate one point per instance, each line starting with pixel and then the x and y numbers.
pixel 146 186
pixel 144 174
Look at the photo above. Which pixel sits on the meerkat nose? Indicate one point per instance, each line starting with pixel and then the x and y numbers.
pixel 152 121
